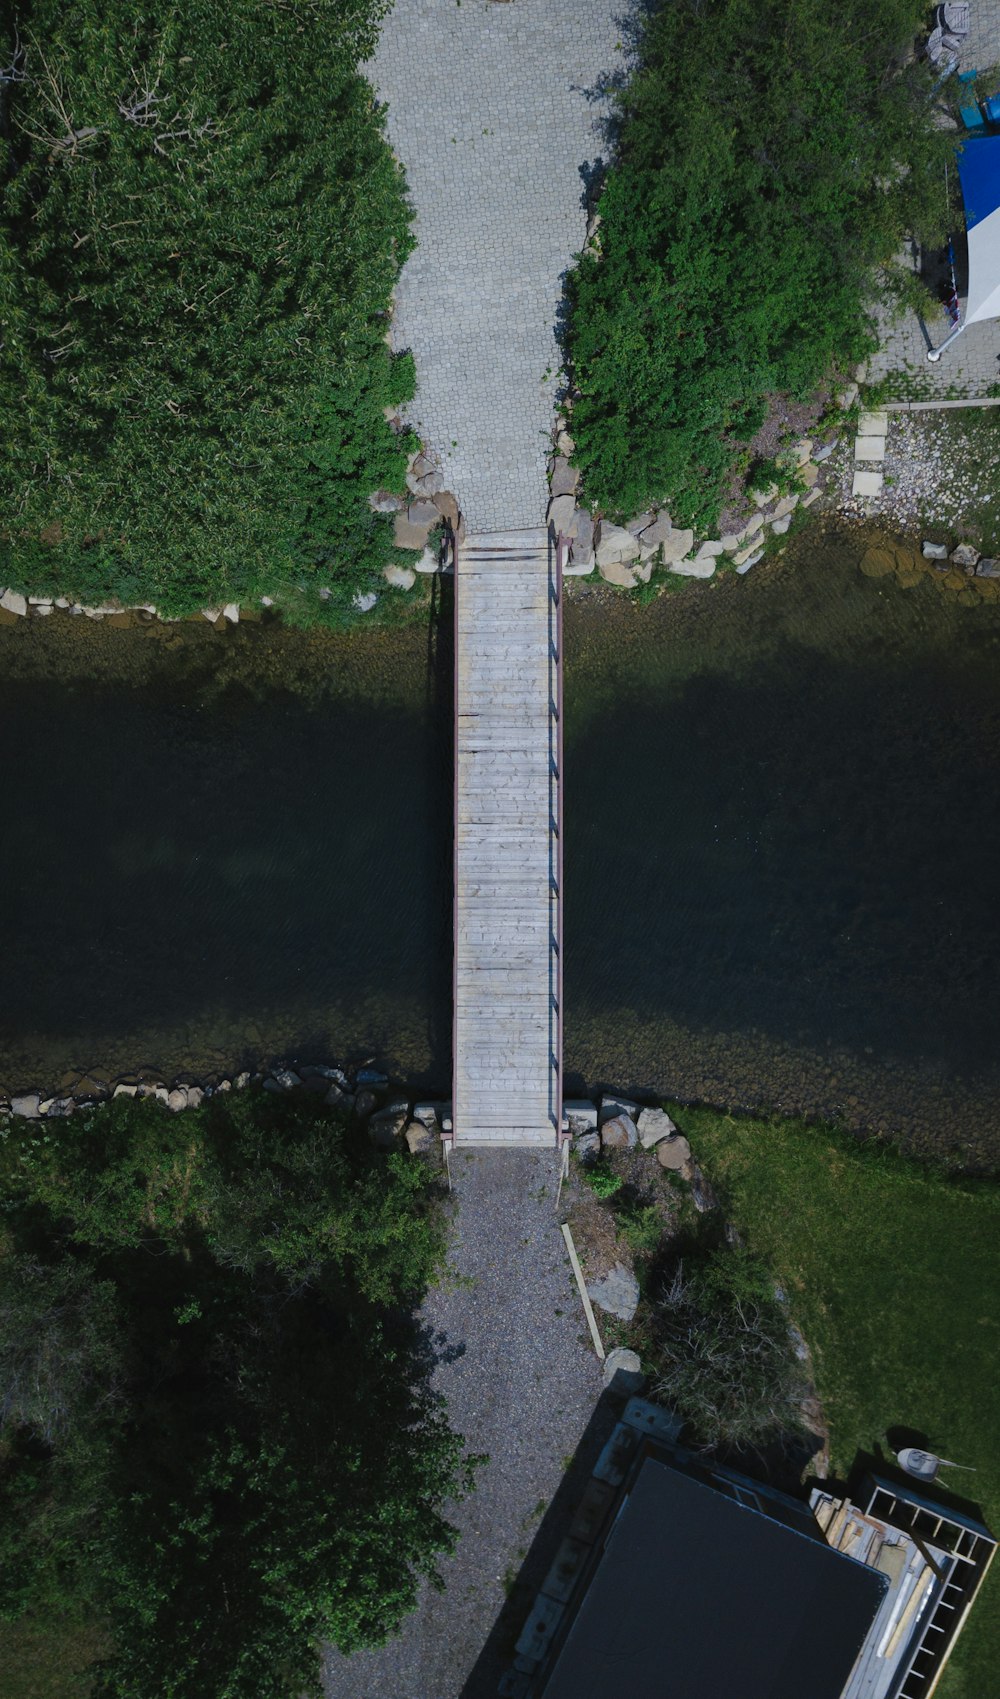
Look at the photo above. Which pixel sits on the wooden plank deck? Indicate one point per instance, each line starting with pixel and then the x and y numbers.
pixel 508 990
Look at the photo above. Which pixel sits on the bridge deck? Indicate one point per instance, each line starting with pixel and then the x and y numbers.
pixel 508 993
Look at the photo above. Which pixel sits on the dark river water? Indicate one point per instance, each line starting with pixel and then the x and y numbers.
pixel 782 815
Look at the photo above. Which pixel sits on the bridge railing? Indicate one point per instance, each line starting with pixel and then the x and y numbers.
pixel 558 554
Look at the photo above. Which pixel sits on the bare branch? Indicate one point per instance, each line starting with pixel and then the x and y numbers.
pixel 15 72
pixel 64 136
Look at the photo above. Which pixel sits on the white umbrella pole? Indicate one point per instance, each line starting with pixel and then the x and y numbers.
pixel 936 353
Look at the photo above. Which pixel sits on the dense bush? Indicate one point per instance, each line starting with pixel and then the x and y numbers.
pixel 723 1358
pixel 200 230
pixel 773 155
pixel 216 1432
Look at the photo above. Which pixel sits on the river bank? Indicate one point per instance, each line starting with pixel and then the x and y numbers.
pixel 236 845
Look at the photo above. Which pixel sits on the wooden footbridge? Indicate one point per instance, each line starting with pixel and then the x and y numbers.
pixel 507 1045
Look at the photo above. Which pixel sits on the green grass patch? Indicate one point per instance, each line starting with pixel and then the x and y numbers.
pixel 893 1276
pixel 48 1659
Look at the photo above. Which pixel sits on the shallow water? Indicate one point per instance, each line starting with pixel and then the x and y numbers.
pixel 783 814
pixel 221 847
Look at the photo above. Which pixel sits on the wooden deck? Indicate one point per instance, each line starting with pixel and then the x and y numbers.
pixel 507 1086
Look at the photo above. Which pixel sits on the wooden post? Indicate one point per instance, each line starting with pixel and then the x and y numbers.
pixel 584 1295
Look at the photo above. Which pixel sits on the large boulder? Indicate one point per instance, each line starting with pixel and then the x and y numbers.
pixel 400 577
pixel 14 603
pixel 658 531
pixel 564 477
pixel 618 572
pixel 386 1128
pixel 615 545
pixel 612 1106
pixel 424 476
pixel 422 512
pixel 286 1078
pixel 617 1293
pixel 447 506
pixel 406 534
pixel 654 1125
pixel 27 1105
pixel 640 523
pixel 383 501
pixel 673 1153
pixel 703 566
pixel 420 1140
pixel 965 556
pixel 581 532
pixel 581 1114
pixel 429 561
pixel 934 551
pixel 619 1133
pixel 677 545
pixel 587 1147
pixel 623 1371
pixel 987 568
pixel 561 511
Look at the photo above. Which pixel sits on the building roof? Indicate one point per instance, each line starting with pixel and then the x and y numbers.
pixel 698 1594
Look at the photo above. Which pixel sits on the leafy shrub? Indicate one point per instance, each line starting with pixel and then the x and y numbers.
pixel 723 1357
pixel 602 1182
pixel 202 225
pixel 771 161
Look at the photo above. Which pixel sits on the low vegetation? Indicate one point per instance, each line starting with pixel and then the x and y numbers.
pixel 892 1274
pixel 218 1446
pixel 201 226
pixel 771 160
pixel 719 1348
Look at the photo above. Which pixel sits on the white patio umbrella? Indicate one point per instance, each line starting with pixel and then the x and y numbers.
pixel 979 174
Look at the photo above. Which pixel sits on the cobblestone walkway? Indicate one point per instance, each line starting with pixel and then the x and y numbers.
pixel 496 112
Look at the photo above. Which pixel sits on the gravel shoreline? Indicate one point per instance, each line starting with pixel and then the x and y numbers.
pixel 522 1384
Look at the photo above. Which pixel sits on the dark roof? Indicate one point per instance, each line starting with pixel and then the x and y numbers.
pixel 697 1595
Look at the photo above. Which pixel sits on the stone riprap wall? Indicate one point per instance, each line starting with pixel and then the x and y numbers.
pixel 392 1120
pixel 496 111
pixel 627 555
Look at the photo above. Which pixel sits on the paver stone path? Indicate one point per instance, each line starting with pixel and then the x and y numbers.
pixel 496 112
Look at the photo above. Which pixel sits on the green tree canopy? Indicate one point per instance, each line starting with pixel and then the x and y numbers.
pixel 773 156
pixel 218 1433
pixel 202 225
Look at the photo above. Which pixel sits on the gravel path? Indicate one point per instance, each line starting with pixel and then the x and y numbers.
pixel 496 112
pixel 523 1385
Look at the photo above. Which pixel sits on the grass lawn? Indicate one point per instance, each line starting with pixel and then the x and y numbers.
pixel 893 1273
pixel 48 1660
